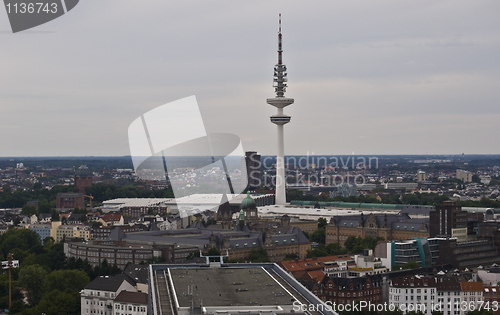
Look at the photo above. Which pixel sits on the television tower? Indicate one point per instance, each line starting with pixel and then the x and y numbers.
pixel 280 119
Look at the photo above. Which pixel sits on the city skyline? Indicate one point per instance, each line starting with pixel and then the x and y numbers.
pixel 367 78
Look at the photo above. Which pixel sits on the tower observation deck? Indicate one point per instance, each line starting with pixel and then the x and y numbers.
pixel 280 119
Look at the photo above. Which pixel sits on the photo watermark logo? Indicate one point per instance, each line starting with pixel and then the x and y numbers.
pixel 317 170
pixel 171 139
pixel 26 14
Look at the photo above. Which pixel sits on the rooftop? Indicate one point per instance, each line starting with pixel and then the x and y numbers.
pixel 132 297
pixel 229 287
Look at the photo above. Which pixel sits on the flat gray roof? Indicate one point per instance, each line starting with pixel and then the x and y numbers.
pixel 228 287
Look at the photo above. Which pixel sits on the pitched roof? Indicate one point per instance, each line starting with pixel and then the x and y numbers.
pixel 111 217
pixel 75 217
pixel 111 284
pixel 448 286
pixel 137 272
pixel 317 274
pixel 117 234
pixel 132 297
pixel 471 286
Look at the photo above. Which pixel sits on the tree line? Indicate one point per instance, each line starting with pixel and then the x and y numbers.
pixel 51 281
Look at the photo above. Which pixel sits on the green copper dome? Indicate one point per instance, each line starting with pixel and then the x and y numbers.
pixel 248 202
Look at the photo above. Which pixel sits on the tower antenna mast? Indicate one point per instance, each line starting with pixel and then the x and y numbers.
pixel 280 119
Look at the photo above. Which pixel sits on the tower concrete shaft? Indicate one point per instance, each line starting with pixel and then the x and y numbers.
pixel 280 119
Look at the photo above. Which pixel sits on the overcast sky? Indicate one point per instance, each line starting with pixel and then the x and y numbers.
pixel 368 77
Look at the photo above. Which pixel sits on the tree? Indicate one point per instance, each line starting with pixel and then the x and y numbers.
pixel 411 265
pixel 350 242
pixel 258 255
pixel 57 256
pixel 29 210
pixel 322 222
pixel 291 256
pixel 95 224
pixel 20 239
pixel 335 249
pixel 476 179
pixel 67 280
pixel 17 307
pixel 48 242
pixel 4 290
pixel 328 250
pixel 213 252
pixel 57 302
pixel 318 236
pixel 357 244
pixel 45 207
pixel 55 216
pixel 34 280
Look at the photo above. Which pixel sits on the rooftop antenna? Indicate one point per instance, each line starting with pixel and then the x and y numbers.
pixel 280 50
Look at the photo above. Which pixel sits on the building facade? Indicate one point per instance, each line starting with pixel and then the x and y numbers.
pixel 253 166
pixel 97 297
pixel 388 226
pixel 350 290
pixel 70 201
pixel 448 220
pixel 423 251
pixel 130 303
pixel 83 178
pixel 464 176
pixel 467 254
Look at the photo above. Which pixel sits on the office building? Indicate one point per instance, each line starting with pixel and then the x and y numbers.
pixel 253 166
pixel 448 220
pixel 423 251
pixel 467 254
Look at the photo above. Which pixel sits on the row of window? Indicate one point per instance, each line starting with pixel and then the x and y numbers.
pixel 122 307
pixel 392 290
